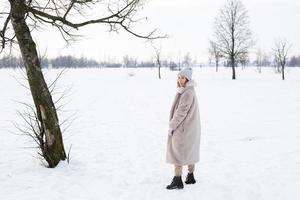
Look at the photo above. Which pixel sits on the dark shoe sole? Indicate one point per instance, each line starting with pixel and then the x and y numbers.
pixel 173 188
pixel 190 182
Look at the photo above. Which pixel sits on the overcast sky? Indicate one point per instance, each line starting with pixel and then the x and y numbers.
pixel 189 23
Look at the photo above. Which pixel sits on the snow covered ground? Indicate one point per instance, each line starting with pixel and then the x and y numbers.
pixel 249 147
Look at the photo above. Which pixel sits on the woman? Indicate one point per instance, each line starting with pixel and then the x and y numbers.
pixel 184 130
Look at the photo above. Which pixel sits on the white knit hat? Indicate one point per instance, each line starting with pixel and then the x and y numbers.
pixel 186 72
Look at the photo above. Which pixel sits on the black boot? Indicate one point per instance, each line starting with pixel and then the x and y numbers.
pixel 190 179
pixel 176 183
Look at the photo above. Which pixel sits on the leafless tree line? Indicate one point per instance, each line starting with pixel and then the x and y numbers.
pixel 233 40
pixel 11 61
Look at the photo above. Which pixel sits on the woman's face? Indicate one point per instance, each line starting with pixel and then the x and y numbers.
pixel 182 81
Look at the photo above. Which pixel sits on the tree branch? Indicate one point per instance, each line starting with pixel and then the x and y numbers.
pixel 121 18
pixel 2 32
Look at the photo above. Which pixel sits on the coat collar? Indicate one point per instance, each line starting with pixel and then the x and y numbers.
pixel 189 84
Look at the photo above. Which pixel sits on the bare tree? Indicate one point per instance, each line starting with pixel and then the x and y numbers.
pixel 179 62
pixel 243 60
pixel 215 52
pixel 187 60
pixel 129 62
pixel 158 60
pixel 259 59
pixel 31 126
pixel 232 33
pixel 280 50
pixel 67 16
pixel 126 61
pixel 266 60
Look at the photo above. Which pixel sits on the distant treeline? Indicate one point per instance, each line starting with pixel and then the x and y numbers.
pixel 73 62
pixel 294 61
pixel 59 62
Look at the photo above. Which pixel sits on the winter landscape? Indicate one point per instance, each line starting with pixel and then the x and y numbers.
pixel 101 100
pixel 249 145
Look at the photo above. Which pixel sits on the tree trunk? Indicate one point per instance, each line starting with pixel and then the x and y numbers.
pixel 52 147
pixel 159 65
pixel 159 76
pixel 233 73
pixel 217 65
pixel 282 72
pixel 233 67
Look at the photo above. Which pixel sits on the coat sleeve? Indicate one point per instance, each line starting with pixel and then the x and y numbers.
pixel 173 106
pixel 184 105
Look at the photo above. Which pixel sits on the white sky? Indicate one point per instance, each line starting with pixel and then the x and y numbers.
pixel 189 23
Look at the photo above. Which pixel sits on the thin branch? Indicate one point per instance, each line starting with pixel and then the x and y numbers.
pixel 116 18
pixel 2 32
